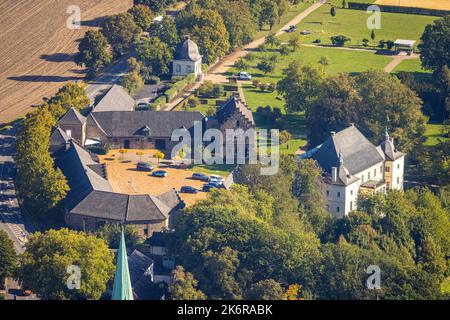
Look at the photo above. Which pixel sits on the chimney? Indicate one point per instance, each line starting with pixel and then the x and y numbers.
pixel 334 171
pixel 333 133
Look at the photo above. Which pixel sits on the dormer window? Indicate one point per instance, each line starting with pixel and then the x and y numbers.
pixel 146 131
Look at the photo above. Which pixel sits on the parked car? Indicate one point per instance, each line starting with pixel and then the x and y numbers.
pixel 188 189
pixel 214 178
pixel 209 186
pixel 142 105
pixel 159 173
pixel 26 293
pixel 244 76
pixel 200 176
pixel 291 29
pixel 144 166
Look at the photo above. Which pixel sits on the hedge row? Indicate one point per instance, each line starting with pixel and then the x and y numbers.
pixel 178 87
pixel 397 9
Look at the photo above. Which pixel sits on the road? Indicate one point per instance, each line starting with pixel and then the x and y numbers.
pixel 112 75
pixel 12 220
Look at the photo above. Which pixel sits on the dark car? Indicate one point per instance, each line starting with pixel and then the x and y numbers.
pixel 291 29
pixel 144 166
pixel 188 189
pixel 200 176
pixel 209 186
pixel 159 173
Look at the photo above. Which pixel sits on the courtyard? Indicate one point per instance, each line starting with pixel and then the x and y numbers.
pixel 124 178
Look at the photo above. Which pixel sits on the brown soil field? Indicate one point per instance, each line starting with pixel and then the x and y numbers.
pixel 429 4
pixel 37 48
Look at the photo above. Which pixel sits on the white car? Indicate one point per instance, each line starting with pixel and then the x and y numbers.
pixel 216 179
pixel 244 76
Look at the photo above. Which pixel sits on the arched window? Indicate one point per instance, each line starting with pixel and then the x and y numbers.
pixel 178 68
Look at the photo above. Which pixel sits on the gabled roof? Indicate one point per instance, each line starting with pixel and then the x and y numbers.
pixel 159 239
pixel 75 164
pixel 91 195
pixel 187 50
pixel 145 208
pixel 358 153
pixel 73 117
pixel 59 137
pixel 138 264
pixel 116 99
pixel 128 124
pixel 233 105
pixel 172 199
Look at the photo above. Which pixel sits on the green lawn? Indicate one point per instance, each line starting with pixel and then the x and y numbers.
pixel 434 133
pixel 340 60
pixel 293 11
pixel 411 66
pixel 222 170
pixel 353 24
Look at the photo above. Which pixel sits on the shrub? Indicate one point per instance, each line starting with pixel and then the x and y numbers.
pixel 285 50
pixel 317 41
pixel 284 136
pixel 153 80
pixel 339 41
pixel 365 42
pixel 262 86
pixel 255 83
pixel 193 102
pixel 250 57
pixel 240 64
pixel 381 44
pixel 271 87
pixel 389 44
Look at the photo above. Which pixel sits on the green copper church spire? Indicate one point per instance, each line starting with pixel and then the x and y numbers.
pixel 122 283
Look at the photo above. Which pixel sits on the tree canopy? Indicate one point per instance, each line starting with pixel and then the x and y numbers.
pixel 435 44
pixel 93 53
pixel 8 257
pixel 207 29
pixel 44 265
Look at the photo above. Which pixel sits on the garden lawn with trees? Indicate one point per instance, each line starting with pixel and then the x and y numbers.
pixel 353 24
pixel 338 61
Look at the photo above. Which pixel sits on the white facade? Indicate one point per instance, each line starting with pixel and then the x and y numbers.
pixel 384 171
pixel 186 67
pixel 187 59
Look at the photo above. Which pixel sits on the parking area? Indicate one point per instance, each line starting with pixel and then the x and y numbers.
pixel 124 178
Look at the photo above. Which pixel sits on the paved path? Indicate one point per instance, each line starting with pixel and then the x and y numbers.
pixel 396 60
pixel 217 72
pixel 112 75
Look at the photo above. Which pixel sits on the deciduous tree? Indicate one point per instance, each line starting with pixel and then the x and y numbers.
pixel 44 265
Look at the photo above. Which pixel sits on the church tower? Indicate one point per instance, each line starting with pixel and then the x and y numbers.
pixel 122 283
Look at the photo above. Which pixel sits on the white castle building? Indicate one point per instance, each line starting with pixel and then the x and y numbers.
pixel 187 59
pixel 352 164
